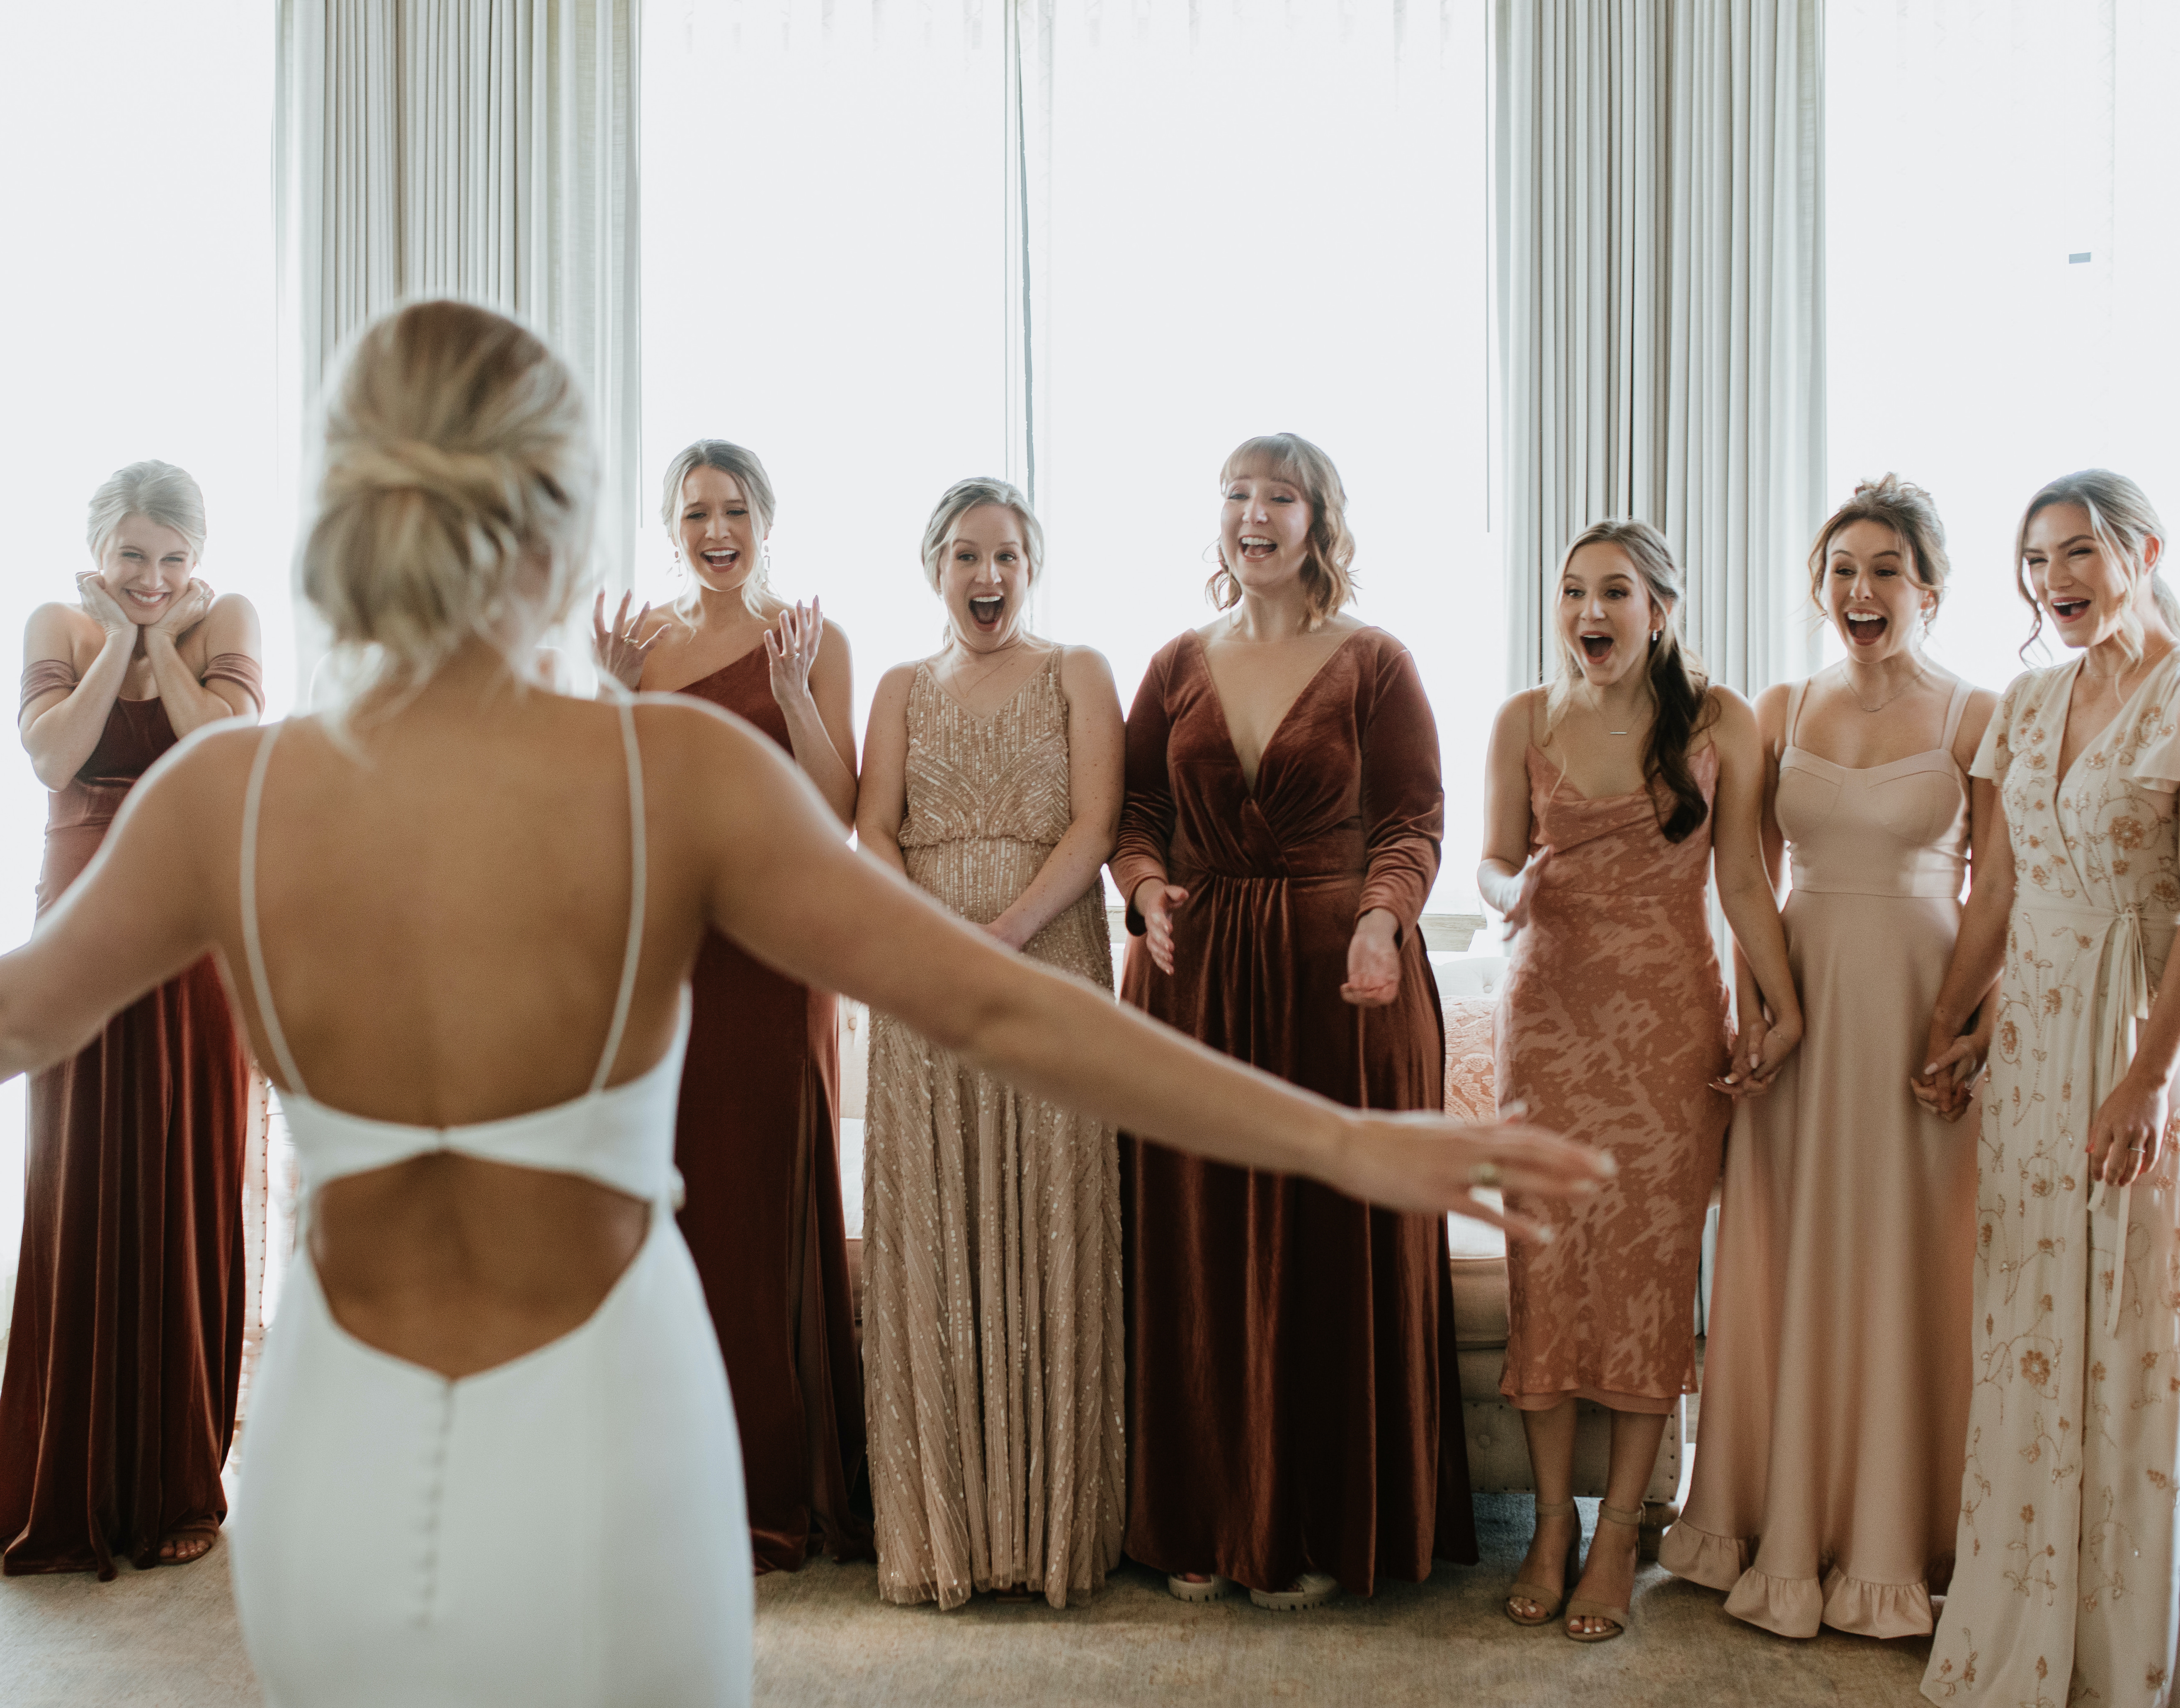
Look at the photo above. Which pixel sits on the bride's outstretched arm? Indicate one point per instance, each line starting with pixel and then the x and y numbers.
pixel 782 885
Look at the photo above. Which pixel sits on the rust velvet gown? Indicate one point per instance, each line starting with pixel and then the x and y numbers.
pixel 757 1143
pixel 1293 1400
pixel 124 1351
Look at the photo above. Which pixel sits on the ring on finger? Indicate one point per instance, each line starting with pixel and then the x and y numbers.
pixel 1484 1174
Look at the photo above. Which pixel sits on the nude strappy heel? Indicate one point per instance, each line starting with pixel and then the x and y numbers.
pixel 1619 1617
pixel 1551 1601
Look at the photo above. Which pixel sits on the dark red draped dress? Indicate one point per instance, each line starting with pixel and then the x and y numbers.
pixel 124 1351
pixel 757 1143
pixel 1293 1400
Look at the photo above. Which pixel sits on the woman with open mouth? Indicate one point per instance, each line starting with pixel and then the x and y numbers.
pixel 1295 1425
pixel 124 1356
pixel 993 1364
pixel 758 1140
pixel 1836 1387
pixel 2064 1588
pixel 1614 794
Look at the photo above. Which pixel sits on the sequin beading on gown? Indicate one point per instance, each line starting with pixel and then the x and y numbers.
pixel 992 1327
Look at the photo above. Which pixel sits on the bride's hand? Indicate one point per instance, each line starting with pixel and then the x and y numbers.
pixel 790 648
pixel 100 605
pixel 1429 1165
pixel 186 612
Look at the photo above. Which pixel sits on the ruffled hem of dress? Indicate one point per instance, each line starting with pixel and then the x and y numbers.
pixel 1717 1562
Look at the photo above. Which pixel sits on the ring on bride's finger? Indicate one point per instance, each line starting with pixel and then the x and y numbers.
pixel 1484 1174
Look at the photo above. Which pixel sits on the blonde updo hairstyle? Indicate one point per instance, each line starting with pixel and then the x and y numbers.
pixel 456 497
pixel 749 474
pixel 974 493
pixel 159 492
pixel 1327 582
pixel 1906 510
pixel 2124 522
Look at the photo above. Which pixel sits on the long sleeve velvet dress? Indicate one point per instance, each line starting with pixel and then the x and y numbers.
pixel 757 1141
pixel 1294 1403
pixel 124 1348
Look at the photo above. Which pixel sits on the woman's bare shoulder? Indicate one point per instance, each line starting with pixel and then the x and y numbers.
pixel 56 629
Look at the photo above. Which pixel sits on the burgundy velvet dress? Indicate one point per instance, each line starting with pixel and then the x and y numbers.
pixel 757 1143
pixel 1293 1403
pixel 124 1351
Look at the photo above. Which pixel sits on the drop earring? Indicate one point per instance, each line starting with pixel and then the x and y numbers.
pixel 1655 633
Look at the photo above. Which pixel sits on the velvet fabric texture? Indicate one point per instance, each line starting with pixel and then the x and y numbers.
pixel 757 1141
pixel 1294 1403
pixel 125 1353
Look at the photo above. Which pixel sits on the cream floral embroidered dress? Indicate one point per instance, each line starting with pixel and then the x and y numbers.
pixel 2063 1590
pixel 992 1352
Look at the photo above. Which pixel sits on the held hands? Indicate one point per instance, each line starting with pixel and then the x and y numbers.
pixel 1952 1066
pixel 1155 899
pixel 100 605
pixel 615 646
pixel 1373 962
pixel 1759 1053
pixel 1426 1163
pixel 2127 1135
pixel 790 648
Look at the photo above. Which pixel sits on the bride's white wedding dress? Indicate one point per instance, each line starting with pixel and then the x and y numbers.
pixel 567 1528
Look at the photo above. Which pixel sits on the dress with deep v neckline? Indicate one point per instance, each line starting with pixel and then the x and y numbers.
pixel 1226 724
pixel 1294 1400
pixel 1836 1385
pixel 2064 1586
pixel 758 1144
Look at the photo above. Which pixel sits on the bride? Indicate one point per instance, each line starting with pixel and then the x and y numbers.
pixel 493 1455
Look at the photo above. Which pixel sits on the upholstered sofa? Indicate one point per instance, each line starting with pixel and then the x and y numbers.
pixel 1498 1455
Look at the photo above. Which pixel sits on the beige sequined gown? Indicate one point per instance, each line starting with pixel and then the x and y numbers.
pixel 994 1377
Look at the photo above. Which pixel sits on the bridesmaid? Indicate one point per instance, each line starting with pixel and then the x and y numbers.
pixel 1612 794
pixel 759 1135
pixel 1295 1417
pixel 2064 1588
pixel 992 1330
pixel 124 1354
pixel 1836 1389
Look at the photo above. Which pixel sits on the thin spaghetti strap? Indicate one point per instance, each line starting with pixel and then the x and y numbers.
pixel 1795 696
pixel 638 862
pixel 253 944
pixel 1954 709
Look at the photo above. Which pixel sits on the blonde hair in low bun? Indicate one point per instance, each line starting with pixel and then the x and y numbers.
pixel 457 451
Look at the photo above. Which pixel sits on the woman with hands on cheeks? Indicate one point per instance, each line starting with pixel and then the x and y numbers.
pixel 757 1140
pixel 2064 1586
pixel 1295 1424
pixel 124 1356
pixel 994 1366
pixel 1836 1388
pixel 1612 794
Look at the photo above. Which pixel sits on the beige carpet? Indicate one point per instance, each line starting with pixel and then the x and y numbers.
pixel 168 1638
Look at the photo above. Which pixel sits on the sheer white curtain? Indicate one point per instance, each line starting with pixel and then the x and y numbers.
pixel 1659 178
pixel 443 147
pixel 2002 257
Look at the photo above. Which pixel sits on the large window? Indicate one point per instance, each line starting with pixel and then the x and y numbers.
pixel 884 261
pixel 138 293
pixel 2000 253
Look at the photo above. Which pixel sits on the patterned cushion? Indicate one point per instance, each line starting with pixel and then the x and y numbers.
pixel 1468 1091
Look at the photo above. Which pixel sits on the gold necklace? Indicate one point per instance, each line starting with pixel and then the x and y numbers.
pixel 1597 712
pixel 1848 678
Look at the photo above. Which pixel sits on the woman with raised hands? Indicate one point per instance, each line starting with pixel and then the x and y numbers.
pixel 493 1451
pixel 993 1363
pixel 759 1123
pixel 1294 1411
pixel 125 1353
pixel 1835 1380
pixel 1613 795
pixel 2064 1588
